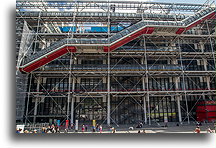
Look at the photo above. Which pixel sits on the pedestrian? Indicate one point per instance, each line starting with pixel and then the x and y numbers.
pixel 66 130
pixel 100 128
pixel 43 130
pixel 141 124
pixel 57 130
pixel 97 128
pixel 110 129
pixel 26 131
pixel 18 131
pixel 49 129
pixel 113 130
pixel 83 128
pixel 53 128
pixel 209 130
pixel 93 128
pixel 72 126
pixel 197 130
pixel 138 126
pixel 35 131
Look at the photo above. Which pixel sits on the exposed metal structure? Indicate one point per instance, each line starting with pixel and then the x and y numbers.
pixel 112 61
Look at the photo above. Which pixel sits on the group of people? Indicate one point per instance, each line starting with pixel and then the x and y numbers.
pixel 18 131
pixel 48 129
pixel 198 130
pixel 51 129
pixel 97 128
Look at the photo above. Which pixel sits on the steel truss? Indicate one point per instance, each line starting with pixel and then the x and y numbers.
pixel 126 75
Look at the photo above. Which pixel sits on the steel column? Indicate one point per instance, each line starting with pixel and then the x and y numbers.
pixel 36 100
pixel 179 108
pixel 72 101
pixel 108 90
pixel 144 97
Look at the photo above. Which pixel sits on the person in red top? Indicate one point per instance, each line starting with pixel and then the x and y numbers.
pixel 197 130
pixel 83 128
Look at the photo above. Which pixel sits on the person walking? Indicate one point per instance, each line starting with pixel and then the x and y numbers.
pixel 35 131
pixel 110 129
pixel 66 130
pixel 26 131
pixel 93 128
pixel 43 130
pixel 83 128
pixel 57 130
pixel 113 130
pixel 97 128
pixel 100 128
pixel 197 130
pixel 209 130
pixel 18 131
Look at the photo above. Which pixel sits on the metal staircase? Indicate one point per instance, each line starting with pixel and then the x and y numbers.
pixel 109 44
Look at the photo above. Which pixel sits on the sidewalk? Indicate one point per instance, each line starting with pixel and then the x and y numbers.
pixel 148 129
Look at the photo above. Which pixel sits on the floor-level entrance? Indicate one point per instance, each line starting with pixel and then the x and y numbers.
pixel 90 108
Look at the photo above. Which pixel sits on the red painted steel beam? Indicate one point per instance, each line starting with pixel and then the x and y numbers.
pixel 210 16
pixel 199 21
pixel 147 30
pixel 48 58
pixel 180 30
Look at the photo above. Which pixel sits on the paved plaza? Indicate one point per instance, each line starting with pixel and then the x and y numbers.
pixel 169 129
pixel 120 129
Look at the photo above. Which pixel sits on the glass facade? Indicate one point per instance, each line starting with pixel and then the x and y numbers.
pixel 151 73
pixel 163 108
pixel 90 108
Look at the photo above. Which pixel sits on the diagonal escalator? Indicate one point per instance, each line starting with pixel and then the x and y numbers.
pixel 64 46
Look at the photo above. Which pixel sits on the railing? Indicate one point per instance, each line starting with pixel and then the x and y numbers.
pixel 194 68
pixel 118 36
pixel 122 34
pixel 95 87
pixel 141 49
pixel 119 88
pixel 119 67
pixel 197 16
pixel 97 14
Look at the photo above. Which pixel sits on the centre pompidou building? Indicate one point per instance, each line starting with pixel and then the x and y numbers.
pixel 116 62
